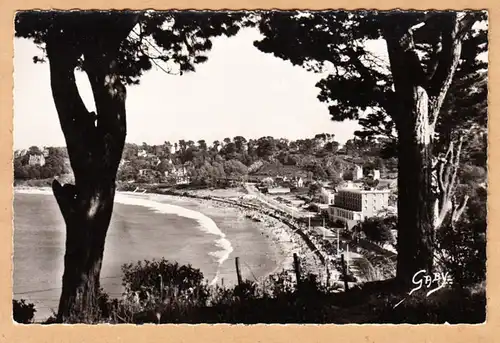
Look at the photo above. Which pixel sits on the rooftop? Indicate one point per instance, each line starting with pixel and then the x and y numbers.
pixel 364 191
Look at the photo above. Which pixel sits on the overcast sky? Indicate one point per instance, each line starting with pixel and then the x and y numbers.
pixel 239 91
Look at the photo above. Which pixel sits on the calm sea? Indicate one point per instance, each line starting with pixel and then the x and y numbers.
pixel 145 227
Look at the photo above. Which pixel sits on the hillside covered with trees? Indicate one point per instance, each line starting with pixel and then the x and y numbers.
pixel 317 158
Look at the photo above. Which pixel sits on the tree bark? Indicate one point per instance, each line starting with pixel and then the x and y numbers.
pixel 415 205
pixel 95 144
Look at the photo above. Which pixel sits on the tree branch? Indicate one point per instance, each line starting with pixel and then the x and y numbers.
pixel 73 115
pixel 452 34
pixel 447 169
pixel 459 209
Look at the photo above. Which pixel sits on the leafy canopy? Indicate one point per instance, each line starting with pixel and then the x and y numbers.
pixel 175 41
pixel 358 82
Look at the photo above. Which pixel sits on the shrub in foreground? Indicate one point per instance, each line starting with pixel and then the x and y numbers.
pixel 22 311
pixel 160 291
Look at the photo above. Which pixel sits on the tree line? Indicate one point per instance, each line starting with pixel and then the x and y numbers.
pixel 317 158
pixel 55 164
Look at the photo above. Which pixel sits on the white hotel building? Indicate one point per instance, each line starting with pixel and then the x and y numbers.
pixel 354 205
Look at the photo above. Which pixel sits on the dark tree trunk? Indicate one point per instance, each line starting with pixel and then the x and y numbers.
pixel 95 144
pixel 87 220
pixel 415 197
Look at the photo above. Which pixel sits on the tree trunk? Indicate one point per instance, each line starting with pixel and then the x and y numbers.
pixel 415 205
pixel 95 144
pixel 87 220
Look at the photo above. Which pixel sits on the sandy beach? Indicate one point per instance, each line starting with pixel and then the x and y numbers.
pixel 284 241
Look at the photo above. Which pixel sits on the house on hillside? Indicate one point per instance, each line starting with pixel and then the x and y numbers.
pixel 179 174
pixel 297 182
pixel 358 173
pixel 20 153
pixel 45 152
pixel 36 160
pixel 146 172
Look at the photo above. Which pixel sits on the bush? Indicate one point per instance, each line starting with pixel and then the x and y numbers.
pixel 463 252
pixel 153 281
pixel 23 312
pixel 170 299
pixel 378 230
pixel 462 245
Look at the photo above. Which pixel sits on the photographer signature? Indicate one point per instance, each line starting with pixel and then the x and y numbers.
pixel 431 282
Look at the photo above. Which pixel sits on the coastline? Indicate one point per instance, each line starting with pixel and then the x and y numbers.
pixel 279 235
pixel 283 242
pixel 286 239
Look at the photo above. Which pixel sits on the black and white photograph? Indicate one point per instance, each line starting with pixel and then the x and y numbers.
pixel 250 166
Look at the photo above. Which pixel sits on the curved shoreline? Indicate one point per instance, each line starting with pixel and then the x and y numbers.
pixel 281 244
pixel 206 224
pixel 272 228
pixel 278 229
pixel 308 251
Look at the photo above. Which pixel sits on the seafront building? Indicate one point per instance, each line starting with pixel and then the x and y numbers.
pixel 354 205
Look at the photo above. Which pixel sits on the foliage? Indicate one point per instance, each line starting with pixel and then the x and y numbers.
pixel 159 279
pixel 377 229
pixel 462 246
pixel 279 300
pixel 314 190
pixel 207 165
pixel 370 182
pixel 55 164
pixel 22 311
pixel 175 41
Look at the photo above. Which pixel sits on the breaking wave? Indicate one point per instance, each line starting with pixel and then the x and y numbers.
pixel 206 224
